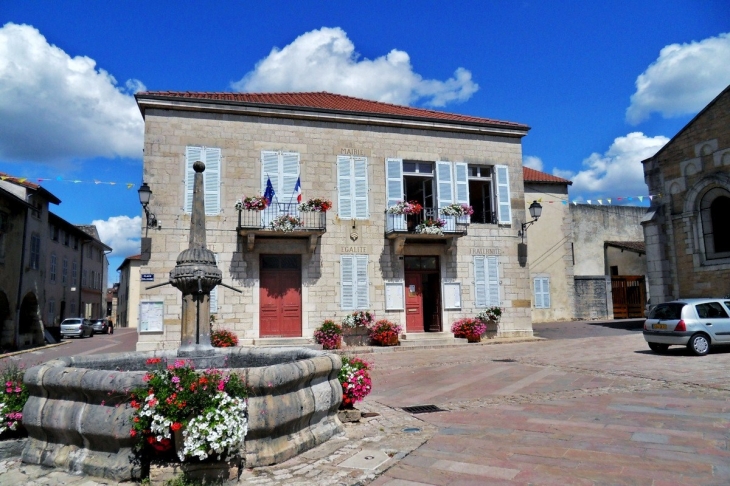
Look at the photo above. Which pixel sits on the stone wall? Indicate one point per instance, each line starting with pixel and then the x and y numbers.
pixel 694 162
pixel 242 138
pixel 593 299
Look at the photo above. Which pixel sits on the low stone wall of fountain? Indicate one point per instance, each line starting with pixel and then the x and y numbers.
pixel 78 420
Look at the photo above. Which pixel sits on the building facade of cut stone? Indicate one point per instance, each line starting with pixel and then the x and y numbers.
pixel 686 228
pixel 49 268
pixel 363 156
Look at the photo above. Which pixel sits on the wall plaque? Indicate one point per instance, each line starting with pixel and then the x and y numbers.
pixel 486 251
pixel 150 315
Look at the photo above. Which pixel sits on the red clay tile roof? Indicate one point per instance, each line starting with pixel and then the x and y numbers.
pixel 637 246
pixel 532 175
pixel 331 102
pixel 129 258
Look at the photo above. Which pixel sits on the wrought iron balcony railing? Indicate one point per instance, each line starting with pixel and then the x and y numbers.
pixel 412 223
pixel 278 214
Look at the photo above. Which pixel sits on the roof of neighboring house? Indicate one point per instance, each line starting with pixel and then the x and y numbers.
pixel 13 198
pixel 635 246
pixel 129 259
pixel 330 102
pixel 91 230
pixel 724 92
pixel 22 181
pixel 535 176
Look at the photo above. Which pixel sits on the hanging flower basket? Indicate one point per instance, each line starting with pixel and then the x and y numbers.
pixel 316 205
pixel 286 223
pixel 431 227
pixel 253 203
pixel 403 207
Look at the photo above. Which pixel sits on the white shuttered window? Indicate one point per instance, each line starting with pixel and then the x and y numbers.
pixel 352 187
pixel 211 157
pixel 503 196
pixel 542 292
pixel 486 281
pixel 354 282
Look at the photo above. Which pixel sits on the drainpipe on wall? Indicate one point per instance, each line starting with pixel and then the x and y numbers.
pixel 20 282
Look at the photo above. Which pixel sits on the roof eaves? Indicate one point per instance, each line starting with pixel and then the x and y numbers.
pixel 294 111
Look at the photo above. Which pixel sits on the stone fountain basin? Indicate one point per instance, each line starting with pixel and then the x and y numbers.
pixel 77 418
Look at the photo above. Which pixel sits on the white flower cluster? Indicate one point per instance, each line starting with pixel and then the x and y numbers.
pixel 3 423
pixel 160 426
pixel 217 432
pixel 429 230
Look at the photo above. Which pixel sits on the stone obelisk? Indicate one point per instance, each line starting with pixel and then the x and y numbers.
pixel 195 275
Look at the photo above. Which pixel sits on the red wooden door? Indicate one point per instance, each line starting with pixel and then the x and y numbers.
pixel 414 302
pixel 280 297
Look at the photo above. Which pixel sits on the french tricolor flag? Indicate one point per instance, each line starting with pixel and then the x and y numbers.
pixel 298 190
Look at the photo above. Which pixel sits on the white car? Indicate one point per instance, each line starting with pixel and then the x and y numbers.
pixel 696 323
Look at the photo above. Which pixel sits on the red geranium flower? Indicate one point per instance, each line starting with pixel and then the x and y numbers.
pixel 176 426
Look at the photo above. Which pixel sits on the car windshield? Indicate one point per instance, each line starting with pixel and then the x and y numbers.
pixel 671 311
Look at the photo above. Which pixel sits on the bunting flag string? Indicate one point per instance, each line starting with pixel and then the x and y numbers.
pixel 618 200
pixel 40 180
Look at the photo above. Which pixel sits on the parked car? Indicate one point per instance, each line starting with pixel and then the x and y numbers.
pixel 698 324
pixel 103 326
pixel 76 327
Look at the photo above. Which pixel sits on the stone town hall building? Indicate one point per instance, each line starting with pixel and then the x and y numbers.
pixel 365 157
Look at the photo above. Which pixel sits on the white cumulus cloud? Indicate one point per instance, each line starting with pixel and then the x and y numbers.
pixel 121 233
pixel 54 106
pixel 532 162
pixel 682 80
pixel 618 171
pixel 325 60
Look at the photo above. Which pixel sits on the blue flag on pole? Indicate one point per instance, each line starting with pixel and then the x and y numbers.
pixel 269 193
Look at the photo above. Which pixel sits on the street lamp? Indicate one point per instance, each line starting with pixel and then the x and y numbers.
pixel 535 212
pixel 144 199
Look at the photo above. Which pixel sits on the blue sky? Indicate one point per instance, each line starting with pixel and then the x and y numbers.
pixel 603 85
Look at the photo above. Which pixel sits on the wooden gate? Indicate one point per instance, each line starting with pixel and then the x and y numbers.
pixel 629 296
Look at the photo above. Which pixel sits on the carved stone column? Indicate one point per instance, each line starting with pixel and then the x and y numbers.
pixel 195 275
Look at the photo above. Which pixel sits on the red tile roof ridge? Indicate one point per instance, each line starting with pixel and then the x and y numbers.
pixel 17 180
pixel 532 175
pixel 331 101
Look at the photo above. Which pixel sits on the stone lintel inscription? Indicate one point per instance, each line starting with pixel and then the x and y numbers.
pixel 354 249
pixel 486 251
pixel 356 152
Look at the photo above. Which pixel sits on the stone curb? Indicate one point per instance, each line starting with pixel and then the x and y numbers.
pixel 30 350
pixel 397 349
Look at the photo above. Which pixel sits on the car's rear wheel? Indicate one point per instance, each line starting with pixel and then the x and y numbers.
pixel 658 347
pixel 699 344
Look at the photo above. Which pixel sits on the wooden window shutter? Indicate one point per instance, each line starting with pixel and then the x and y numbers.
pixel 480 281
pixel 503 196
pixel 192 155
pixel 344 187
pixel 212 180
pixel 361 278
pixel 492 280
pixel 360 192
pixel 347 282
pixel 461 187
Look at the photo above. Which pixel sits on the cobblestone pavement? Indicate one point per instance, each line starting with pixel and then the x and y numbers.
pixel 593 411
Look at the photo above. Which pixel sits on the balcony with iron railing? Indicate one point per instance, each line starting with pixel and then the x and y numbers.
pixel 281 220
pixel 429 224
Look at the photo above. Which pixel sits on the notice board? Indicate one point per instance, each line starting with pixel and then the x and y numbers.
pixel 150 315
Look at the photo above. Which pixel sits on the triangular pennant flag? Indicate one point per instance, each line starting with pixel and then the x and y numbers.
pixel 618 198
pixel 112 183
pixel 22 179
pixel 589 201
pixel 564 202
pixel 129 185
pixel 3 177
pixel 600 201
pixel 651 197
pixel 539 200
pixel 97 182
pixel 76 181
pixel 641 198
pixel 609 201
pixel 59 178
pixel 631 198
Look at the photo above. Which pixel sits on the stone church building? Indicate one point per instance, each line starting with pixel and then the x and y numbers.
pixel 686 229
pixel 296 268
